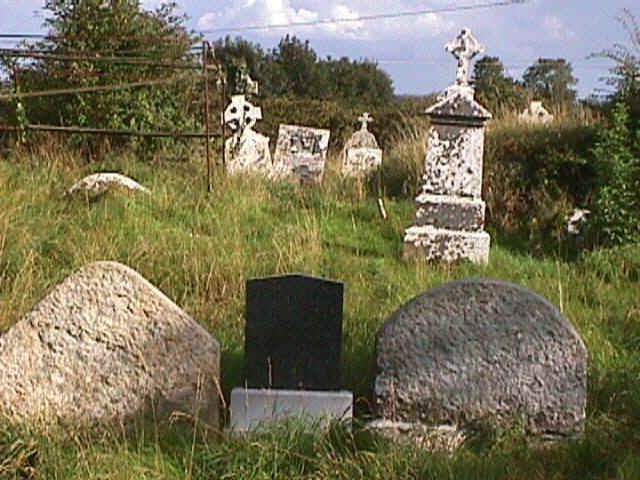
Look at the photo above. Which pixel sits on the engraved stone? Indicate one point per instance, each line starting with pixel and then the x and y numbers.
pixel 301 152
pixel 361 153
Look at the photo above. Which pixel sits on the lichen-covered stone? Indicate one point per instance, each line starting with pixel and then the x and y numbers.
pixel 105 345
pixel 438 244
pixel 450 212
pixel 360 161
pixel 248 153
pixel 99 183
pixel 301 152
pixel 481 349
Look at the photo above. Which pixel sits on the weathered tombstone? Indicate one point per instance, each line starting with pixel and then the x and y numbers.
pixel 481 350
pixel 105 345
pixel 450 211
pixel 536 113
pixel 301 152
pixel 246 149
pixel 293 344
pixel 361 153
pixel 98 184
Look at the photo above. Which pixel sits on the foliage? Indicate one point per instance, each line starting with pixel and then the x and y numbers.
pixel 615 218
pixel 495 90
pixel 120 28
pixel 551 80
pixel 293 70
pixel 625 74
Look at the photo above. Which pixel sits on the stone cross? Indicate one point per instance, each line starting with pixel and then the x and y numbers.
pixel 364 120
pixel 464 48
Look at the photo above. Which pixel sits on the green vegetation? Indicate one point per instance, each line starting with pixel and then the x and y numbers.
pixel 200 248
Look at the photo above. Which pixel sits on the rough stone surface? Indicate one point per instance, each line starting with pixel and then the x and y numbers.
pixel 450 212
pixel 453 164
pixel 430 243
pixel 481 349
pixel 301 152
pixel 293 333
pixel 99 183
pixel 103 346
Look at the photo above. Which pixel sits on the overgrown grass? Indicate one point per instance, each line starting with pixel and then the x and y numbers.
pixel 200 249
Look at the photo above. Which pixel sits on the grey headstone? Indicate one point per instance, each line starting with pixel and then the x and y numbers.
pixel 301 152
pixel 293 333
pixel 478 349
pixel 101 346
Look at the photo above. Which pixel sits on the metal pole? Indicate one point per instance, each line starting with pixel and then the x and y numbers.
pixel 205 56
pixel 224 128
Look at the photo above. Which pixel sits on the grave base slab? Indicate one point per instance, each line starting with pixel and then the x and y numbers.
pixel 252 407
pixel 431 243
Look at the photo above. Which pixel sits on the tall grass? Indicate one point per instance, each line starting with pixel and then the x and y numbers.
pixel 200 248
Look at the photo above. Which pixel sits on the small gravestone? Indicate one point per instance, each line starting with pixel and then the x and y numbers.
pixel 246 149
pixel 301 152
pixel 97 184
pixel 293 344
pixel 535 113
pixel 106 345
pixel 481 349
pixel 361 153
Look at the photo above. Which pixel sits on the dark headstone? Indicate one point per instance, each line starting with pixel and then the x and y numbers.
pixel 479 349
pixel 293 333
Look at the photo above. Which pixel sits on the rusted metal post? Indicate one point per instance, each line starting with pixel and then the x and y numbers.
pixel 205 57
pixel 223 76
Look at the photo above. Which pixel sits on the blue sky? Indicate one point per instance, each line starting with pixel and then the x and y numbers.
pixel 410 48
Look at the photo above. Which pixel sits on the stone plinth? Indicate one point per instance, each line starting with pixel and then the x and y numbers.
pixel 252 408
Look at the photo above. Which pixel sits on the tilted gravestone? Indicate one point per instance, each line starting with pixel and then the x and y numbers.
pixel 293 344
pixel 479 349
pixel 450 211
pixel 301 152
pixel 106 345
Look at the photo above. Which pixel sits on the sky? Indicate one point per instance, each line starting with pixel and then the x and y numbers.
pixel 406 37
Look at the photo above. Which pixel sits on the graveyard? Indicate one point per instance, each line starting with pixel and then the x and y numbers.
pixel 415 290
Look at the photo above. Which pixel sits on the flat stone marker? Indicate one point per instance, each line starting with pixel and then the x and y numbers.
pixel 302 152
pixel 102 345
pixel 477 349
pixel 293 334
pixel 293 344
pixel 100 183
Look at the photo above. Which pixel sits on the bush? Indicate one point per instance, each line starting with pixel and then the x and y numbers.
pixel 615 218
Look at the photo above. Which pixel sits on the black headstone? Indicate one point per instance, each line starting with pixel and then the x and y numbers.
pixel 293 333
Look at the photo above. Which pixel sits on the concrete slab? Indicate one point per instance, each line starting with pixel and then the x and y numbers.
pixel 252 407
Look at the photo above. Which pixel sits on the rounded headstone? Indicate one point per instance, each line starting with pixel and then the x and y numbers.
pixel 106 345
pixel 481 350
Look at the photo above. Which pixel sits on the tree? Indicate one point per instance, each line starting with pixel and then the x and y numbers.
pixel 551 80
pixel 625 74
pixel 494 89
pixel 93 28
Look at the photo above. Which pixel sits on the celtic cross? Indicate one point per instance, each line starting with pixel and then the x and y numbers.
pixel 464 48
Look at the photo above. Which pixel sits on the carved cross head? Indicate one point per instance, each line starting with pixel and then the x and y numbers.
pixel 241 114
pixel 364 120
pixel 464 48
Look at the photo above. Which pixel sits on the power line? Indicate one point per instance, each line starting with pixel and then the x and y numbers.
pixel 364 18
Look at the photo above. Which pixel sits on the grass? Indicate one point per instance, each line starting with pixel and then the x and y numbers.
pixel 200 248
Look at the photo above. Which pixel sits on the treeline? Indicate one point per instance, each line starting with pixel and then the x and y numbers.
pixel 294 70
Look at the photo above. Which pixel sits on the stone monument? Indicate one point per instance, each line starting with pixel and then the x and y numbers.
pixel 536 113
pixel 293 344
pixel 450 211
pixel 105 345
pixel 246 149
pixel 301 152
pixel 481 350
pixel 361 153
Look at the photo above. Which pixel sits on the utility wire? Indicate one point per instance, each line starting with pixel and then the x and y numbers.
pixel 364 18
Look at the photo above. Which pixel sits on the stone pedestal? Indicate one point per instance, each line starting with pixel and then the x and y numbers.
pixel 450 211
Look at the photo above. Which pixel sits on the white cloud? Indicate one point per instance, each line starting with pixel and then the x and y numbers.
pixel 557 28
